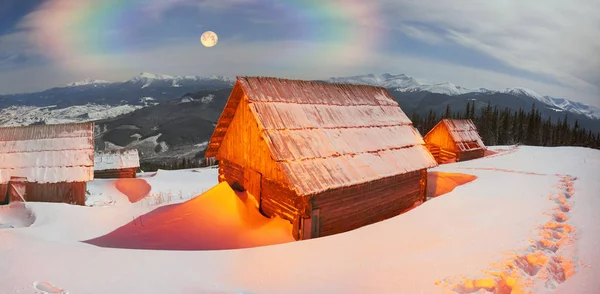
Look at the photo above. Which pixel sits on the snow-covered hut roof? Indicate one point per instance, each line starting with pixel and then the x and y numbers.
pixel 464 133
pixel 325 136
pixel 48 153
pixel 4 177
pixel 116 160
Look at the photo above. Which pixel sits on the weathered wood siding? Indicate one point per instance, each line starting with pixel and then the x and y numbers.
pixel 71 193
pixel 231 173
pixel 279 200
pixel 3 194
pixel 244 146
pixel 439 136
pixel 350 208
pixel 468 155
pixel 124 173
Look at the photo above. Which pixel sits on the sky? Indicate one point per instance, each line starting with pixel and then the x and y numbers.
pixel 551 47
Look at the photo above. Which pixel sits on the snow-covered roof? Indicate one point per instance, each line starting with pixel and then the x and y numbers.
pixel 48 153
pixel 4 176
pixel 464 133
pixel 327 136
pixel 116 159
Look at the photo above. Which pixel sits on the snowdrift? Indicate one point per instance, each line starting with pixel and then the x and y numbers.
pixel 134 189
pixel 15 215
pixel 218 219
pixel 439 183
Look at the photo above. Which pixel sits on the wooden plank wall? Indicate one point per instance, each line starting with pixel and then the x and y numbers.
pixel 3 194
pixel 231 173
pixel 125 173
pixel 349 208
pixel 279 200
pixel 468 155
pixel 72 193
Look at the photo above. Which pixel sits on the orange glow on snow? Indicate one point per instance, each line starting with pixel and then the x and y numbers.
pixel 439 183
pixel 134 189
pixel 218 219
pixel 491 152
pixel 537 259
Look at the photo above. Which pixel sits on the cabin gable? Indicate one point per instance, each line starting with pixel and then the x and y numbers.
pixel 244 146
pixel 440 137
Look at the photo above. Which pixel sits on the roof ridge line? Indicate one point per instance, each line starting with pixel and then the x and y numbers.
pixel 357 153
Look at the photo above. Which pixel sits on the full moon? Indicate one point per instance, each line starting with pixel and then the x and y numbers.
pixel 209 39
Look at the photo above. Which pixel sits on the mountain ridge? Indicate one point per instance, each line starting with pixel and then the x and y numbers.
pixel 162 87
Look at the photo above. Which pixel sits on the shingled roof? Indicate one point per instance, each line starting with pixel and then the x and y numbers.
pixel 119 159
pixel 48 153
pixel 325 136
pixel 464 133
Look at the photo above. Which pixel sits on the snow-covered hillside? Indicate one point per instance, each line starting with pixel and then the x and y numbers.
pixel 526 223
pixel 27 115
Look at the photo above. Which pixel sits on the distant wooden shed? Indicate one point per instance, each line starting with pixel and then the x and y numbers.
pixel 327 157
pixel 116 164
pixel 455 140
pixel 47 163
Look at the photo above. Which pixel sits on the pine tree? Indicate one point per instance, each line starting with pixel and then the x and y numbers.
pixel 467 111
pixel 503 131
pixel 575 134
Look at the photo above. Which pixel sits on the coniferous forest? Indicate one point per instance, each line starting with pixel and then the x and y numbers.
pixel 508 127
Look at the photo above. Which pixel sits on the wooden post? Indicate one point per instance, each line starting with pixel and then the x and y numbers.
pixel 296 227
pixel 315 224
pixel 306 229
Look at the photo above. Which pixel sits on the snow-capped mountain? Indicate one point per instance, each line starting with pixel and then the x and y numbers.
pixel 404 83
pixel 132 91
pixel 384 80
pixel 146 79
pixel 87 81
pixel 163 88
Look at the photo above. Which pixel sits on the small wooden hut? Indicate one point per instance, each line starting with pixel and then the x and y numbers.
pixel 116 164
pixel 48 163
pixel 327 157
pixel 454 140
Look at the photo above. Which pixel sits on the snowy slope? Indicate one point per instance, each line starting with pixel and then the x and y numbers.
pixel 27 115
pixel 526 223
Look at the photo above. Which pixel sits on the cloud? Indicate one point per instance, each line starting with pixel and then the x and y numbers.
pixel 554 38
pixel 155 8
pixel 421 33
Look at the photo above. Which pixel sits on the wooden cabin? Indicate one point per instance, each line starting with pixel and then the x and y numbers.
pixel 48 163
pixel 116 164
pixel 327 157
pixel 454 140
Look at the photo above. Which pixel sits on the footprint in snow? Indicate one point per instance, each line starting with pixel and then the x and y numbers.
pixel 47 288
